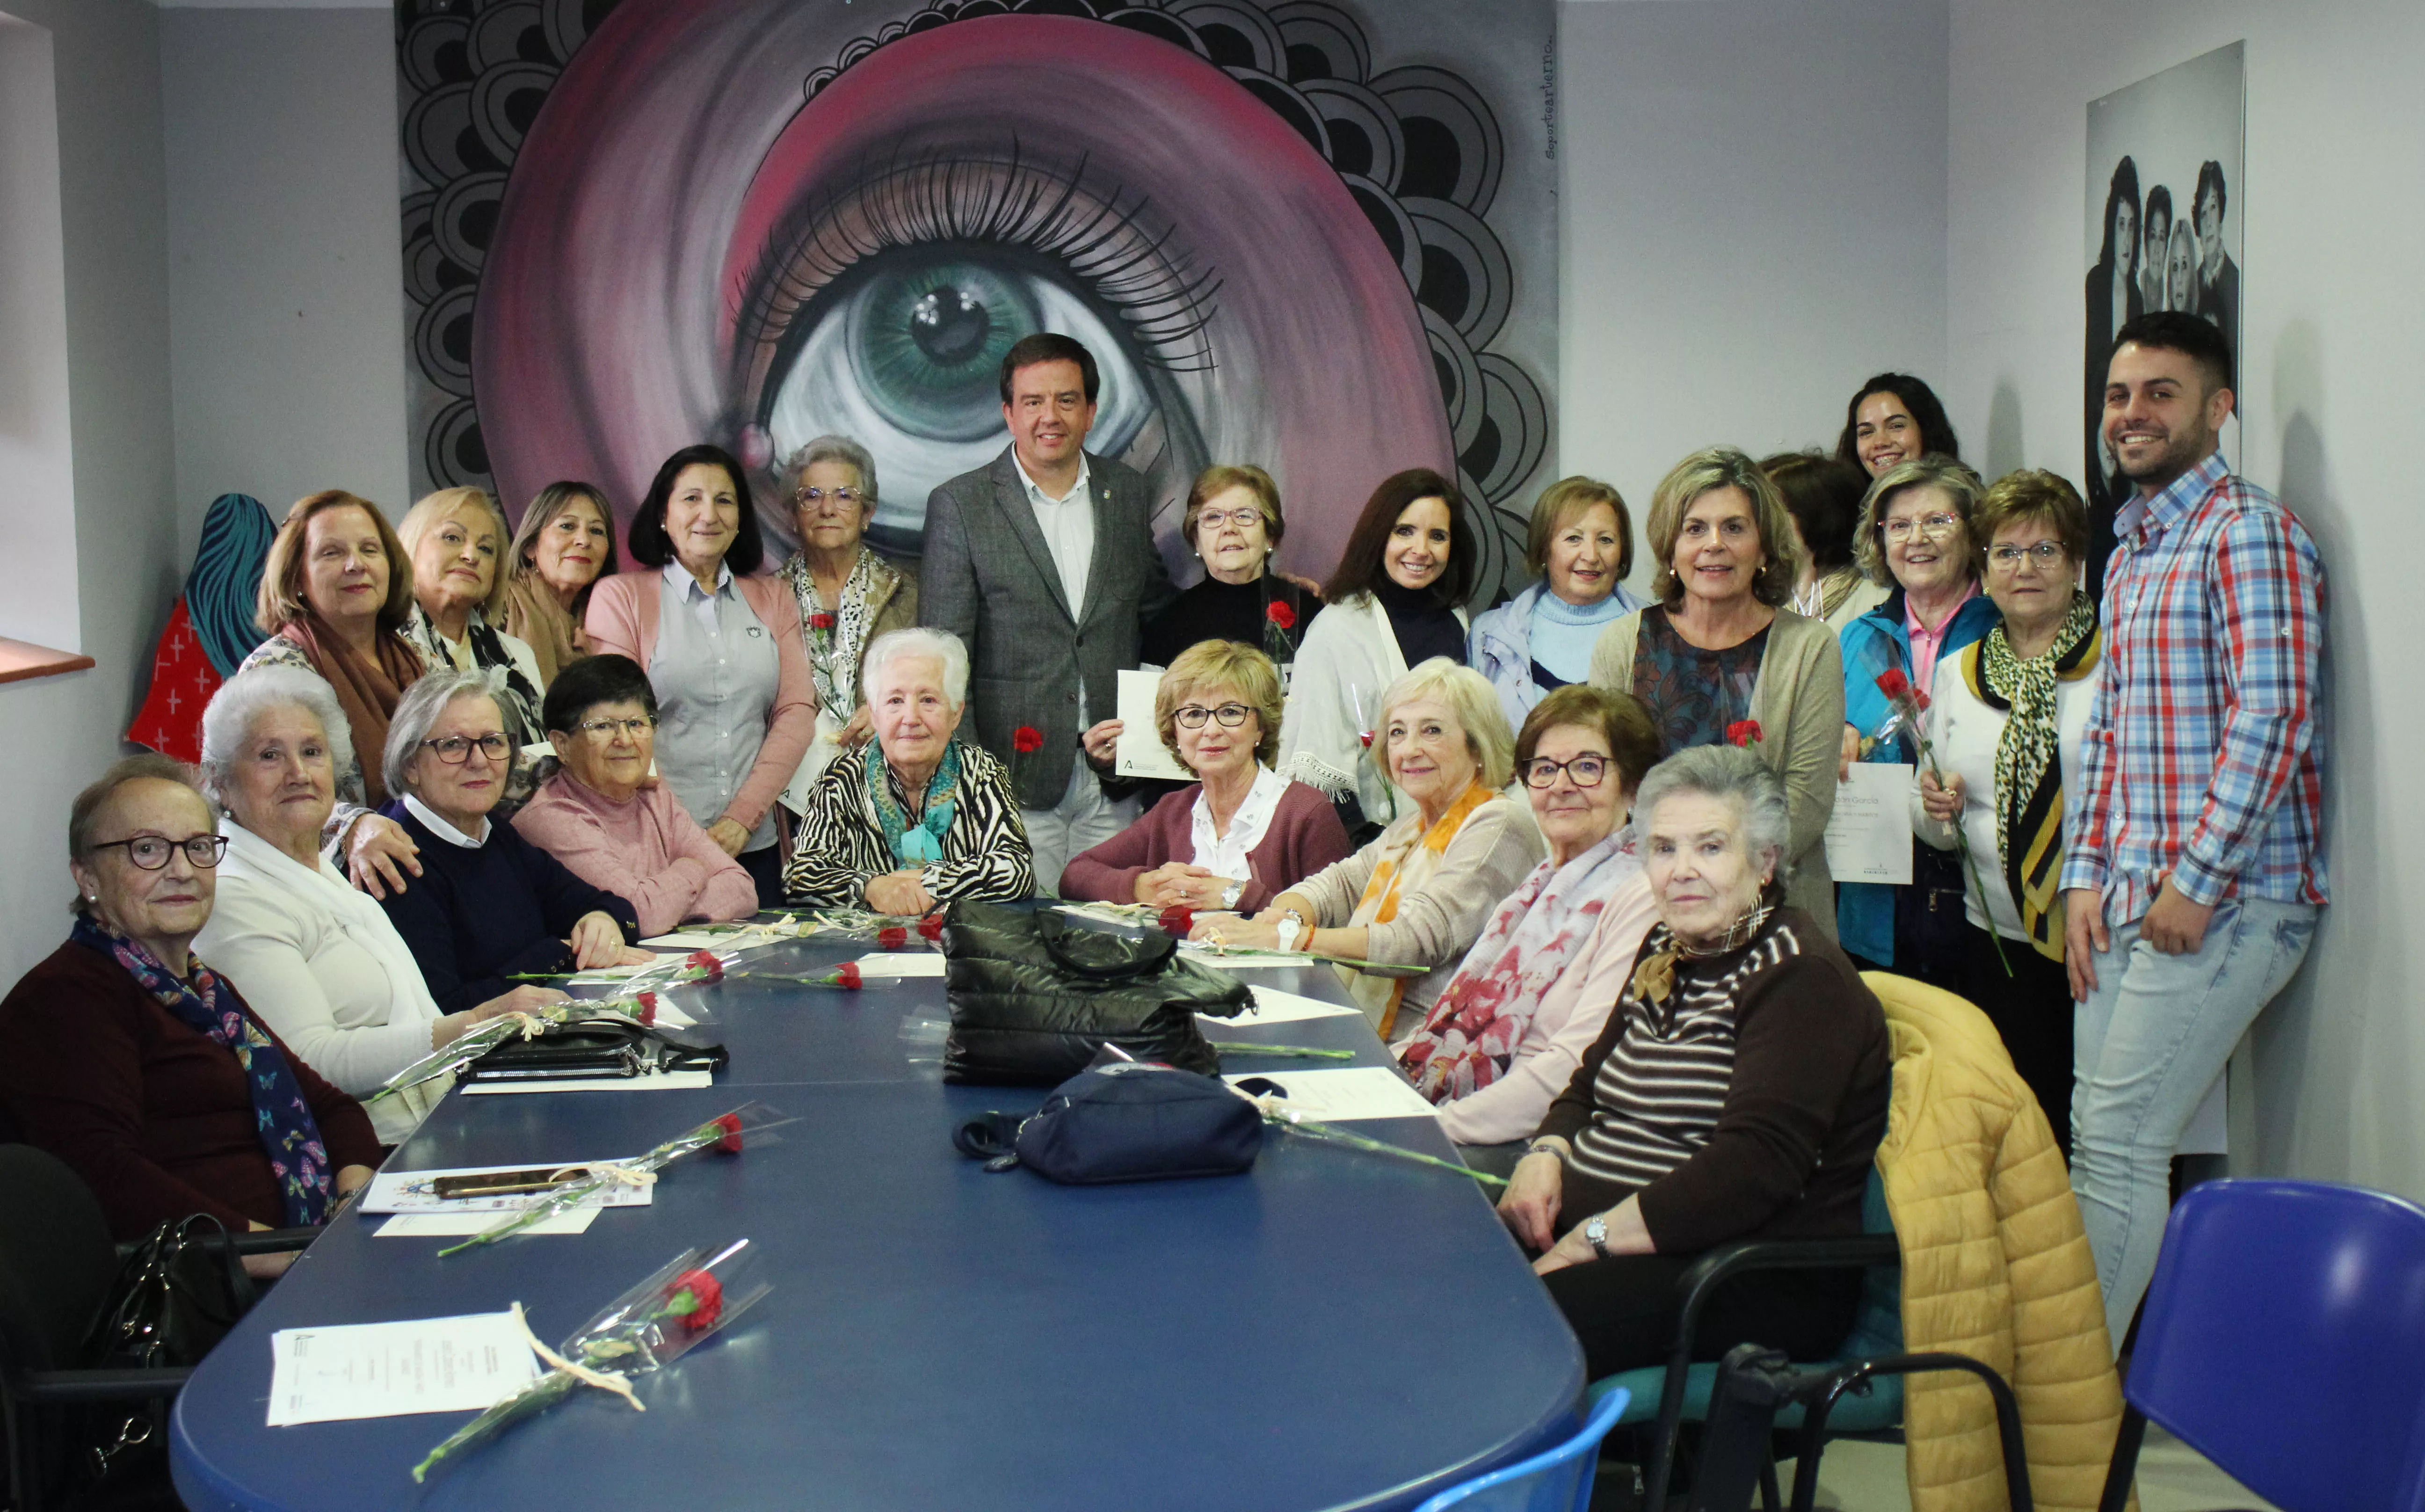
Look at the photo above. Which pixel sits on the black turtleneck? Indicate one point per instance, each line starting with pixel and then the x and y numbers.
pixel 1424 627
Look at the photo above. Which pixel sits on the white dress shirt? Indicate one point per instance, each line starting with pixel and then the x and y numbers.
pixel 1226 855
pixel 439 827
pixel 1069 527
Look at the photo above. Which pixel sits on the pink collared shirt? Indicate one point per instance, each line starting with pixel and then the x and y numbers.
pixel 1927 645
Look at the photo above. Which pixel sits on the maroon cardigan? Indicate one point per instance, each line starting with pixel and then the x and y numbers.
pixel 153 1114
pixel 1305 836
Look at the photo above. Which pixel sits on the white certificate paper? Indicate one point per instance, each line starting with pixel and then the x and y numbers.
pixel 1869 836
pixel 386 1370
pixel 1141 753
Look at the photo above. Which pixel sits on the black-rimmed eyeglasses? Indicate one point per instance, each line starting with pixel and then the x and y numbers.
pixel 1587 770
pixel 1192 716
pixel 457 749
pixel 151 852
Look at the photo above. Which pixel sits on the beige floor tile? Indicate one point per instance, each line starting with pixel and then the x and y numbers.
pixel 2173 1477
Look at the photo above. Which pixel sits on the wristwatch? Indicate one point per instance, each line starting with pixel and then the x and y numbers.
pixel 1289 927
pixel 1596 1230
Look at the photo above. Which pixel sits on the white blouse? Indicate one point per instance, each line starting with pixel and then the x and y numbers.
pixel 321 964
pixel 1227 855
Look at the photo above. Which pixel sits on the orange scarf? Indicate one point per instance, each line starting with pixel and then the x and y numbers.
pixel 1406 861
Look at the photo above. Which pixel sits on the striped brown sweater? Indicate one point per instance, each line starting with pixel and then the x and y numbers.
pixel 1748 1105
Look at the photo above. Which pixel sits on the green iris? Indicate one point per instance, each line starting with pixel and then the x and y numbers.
pixel 928 343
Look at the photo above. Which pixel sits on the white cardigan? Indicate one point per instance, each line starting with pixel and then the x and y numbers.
pixel 321 964
pixel 1349 659
pixel 1965 732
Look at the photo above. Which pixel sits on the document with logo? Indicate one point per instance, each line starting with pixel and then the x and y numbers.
pixel 386 1370
pixel 1869 836
pixel 1141 753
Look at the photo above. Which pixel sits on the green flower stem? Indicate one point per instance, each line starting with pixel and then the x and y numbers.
pixel 1969 863
pixel 1231 1046
pixel 1331 1133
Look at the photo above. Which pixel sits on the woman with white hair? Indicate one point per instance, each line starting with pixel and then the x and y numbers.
pixel 847 594
pixel 456 538
pixel 920 817
pixel 1739 1091
pixel 489 905
pixel 1415 899
pixel 318 961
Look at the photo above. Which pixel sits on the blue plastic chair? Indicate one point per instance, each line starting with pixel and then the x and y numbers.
pixel 1557 1480
pixel 2284 1338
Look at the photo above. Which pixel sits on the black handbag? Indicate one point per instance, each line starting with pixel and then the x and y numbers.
pixel 1128 1121
pixel 172 1302
pixel 1033 996
pixel 593 1048
pixel 1932 924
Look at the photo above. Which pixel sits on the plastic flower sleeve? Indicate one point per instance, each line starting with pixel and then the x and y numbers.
pixel 640 1007
pixel 689 1299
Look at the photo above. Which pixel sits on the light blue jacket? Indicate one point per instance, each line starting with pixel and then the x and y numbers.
pixel 1499 646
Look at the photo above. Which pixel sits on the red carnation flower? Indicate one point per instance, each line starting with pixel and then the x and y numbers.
pixel 891 937
pixel 647 1007
pixel 847 974
pixel 1920 700
pixel 1279 613
pixel 705 964
pixel 821 620
pixel 1896 686
pixel 1178 920
pixel 1367 738
pixel 1742 732
pixel 1026 738
pixel 931 926
pixel 697 1299
pixel 730 1125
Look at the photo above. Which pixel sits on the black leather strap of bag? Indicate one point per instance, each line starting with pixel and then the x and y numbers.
pixel 988 1137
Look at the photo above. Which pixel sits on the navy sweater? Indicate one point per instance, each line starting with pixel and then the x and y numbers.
pixel 474 917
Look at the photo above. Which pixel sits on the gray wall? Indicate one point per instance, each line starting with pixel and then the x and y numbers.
pixel 62 729
pixel 2332 327
pixel 1753 222
pixel 286 284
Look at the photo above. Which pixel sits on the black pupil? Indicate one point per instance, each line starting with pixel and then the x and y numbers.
pixel 949 325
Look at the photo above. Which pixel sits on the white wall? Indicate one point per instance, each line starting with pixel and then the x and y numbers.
pixel 61 731
pixel 2333 327
pixel 1752 222
pixel 286 292
pixel 36 450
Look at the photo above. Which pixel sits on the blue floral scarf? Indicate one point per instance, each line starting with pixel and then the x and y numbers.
pixel 290 1136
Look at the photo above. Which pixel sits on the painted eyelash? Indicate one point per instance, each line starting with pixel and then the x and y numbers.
pixel 1106 238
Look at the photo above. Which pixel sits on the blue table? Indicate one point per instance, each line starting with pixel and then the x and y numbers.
pixel 1335 1330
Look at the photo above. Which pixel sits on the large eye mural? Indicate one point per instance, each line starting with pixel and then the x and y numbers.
pixel 1288 232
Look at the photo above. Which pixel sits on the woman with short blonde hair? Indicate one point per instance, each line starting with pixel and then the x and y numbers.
pixel 1721 659
pixel 1581 548
pixel 1241 832
pixel 457 538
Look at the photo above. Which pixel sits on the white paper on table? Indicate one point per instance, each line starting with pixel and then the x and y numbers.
pixel 1869 834
pixel 457 1224
pixel 1272 1005
pixel 1235 961
pixel 1347 1093
pixel 685 941
pixel 388 1370
pixel 901 964
pixel 647 1082
pixel 411 1192
pixel 1141 753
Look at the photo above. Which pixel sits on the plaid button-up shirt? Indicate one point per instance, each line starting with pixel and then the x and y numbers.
pixel 2202 759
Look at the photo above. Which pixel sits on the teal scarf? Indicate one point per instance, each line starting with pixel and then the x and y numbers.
pixel 920 844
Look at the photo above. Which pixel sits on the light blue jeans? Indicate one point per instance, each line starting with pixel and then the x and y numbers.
pixel 2146 1045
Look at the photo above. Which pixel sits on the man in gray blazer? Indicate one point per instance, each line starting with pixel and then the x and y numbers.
pixel 1043 563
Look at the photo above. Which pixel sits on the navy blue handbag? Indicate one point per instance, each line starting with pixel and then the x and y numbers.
pixel 1127 1121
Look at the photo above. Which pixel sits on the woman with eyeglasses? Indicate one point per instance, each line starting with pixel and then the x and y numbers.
pixel 145 1070
pixel 2011 710
pixel 1241 834
pixel 490 907
pixel 847 594
pixel 317 959
pixel 1505 1037
pixel 1916 541
pixel 609 819
pixel 1234 525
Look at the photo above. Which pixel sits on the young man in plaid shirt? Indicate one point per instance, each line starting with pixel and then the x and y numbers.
pixel 2195 866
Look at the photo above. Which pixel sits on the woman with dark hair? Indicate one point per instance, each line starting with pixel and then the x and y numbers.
pixel 2113 301
pixel 736 701
pixel 564 548
pixel 607 816
pixel 1394 603
pixel 1823 498
pixel 2155 240
pixel 1894 418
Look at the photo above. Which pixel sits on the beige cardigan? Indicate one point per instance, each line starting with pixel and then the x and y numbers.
pixel 1799 704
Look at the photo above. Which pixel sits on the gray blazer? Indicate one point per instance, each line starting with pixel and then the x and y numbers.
pixel 988 577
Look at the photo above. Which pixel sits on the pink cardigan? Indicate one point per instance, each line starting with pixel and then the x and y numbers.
pixel 1305 836
pixel 623 620
pixel 647 851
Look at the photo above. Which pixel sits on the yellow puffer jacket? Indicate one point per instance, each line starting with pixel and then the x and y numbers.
pixel 1995 1265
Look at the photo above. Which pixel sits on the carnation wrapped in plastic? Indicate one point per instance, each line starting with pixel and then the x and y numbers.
pixel 691 1297
pixel 886 931
pixel 640 1007
pixel 726 1134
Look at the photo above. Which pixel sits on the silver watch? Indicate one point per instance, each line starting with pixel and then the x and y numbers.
pixel 1595 1232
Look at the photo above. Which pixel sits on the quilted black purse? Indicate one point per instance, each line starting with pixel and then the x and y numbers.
pixel 1035 994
